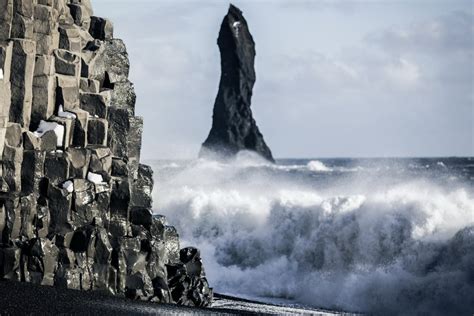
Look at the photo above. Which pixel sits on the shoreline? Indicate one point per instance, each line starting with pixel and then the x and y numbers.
pixel 19 298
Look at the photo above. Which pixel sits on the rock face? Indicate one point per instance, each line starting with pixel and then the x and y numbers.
pixel 233 127
pixel 75 202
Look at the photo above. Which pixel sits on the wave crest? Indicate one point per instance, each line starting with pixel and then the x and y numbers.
pixel 373 246
pixel 316 165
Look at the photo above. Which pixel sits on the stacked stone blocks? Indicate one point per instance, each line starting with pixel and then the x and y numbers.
pixel 75 202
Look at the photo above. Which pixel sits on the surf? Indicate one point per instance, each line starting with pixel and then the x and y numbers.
pixel 372 238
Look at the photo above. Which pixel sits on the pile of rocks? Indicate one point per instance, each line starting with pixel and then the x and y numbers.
pixel 75 202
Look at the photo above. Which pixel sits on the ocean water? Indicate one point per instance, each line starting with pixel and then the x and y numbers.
pixel 383 236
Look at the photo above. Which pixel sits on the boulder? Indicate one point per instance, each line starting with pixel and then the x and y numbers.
pixel 101 162
pixel 95 104
pixel 101 29
pixel 10 263
pixel 49 141
pixel 60 204
pixel 31 141
pixel 67 63
pixel 56 167
pixel 171 238
pixel 68 124
pixel 69 38
pixel 67 92
pixel 24 8
pixel 84 193
pixel 45 28
pixel 89 86
pixel 80 127
pixel 141 216
pixel 32 170
pixel 41 221
pixel 120 197
pixel 108 62
pixel 12 161
pixel 143 188
pixel 46 43
pixel 44 65
pixel 43 106
pixel 119 167
pixel 97 131
pixel 6 15
pixel 13 135
pixel 124 95
pixel 6 51
pixel 124 137
pixel 12 221
pixel 22 26
pixel 79 162
pixel 41 259
pixel 81 14
pixel 23 64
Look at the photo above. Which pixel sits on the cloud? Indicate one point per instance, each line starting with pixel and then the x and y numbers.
pixel 397 90
pixel 449 34
pixel 340 5
pixel 403 73
pixel 401 88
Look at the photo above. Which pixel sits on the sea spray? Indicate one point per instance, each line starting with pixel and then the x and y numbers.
pixel 387 238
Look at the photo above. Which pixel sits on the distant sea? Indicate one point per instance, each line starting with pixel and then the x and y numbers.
pixel 385 236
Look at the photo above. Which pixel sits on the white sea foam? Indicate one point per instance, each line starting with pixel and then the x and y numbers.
pixel 372 245
pixel 317 165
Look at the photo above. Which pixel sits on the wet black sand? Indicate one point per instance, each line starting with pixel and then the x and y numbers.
pixel 28 299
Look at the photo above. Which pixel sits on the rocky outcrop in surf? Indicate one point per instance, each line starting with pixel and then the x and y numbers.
pixel 233 127
pixel 75 202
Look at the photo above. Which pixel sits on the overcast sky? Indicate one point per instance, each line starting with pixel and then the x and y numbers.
pixel 334 78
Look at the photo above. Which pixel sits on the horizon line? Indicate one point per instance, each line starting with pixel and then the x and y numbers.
pixel 338 157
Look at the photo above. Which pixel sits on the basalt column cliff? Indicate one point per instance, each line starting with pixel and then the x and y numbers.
pixel 233 127
pixel 75 202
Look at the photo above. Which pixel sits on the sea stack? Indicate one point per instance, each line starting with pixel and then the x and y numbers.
pixel 233 127
pixel 75 201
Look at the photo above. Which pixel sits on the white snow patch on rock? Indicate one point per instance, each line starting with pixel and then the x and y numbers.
pixel 66 114
pixel 51 126
pixel 1 74
pixel 236 26
pixel 95 178
pixel 68 186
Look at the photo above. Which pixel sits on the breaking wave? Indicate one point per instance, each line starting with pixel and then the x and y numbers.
pixel 366 243
pixel 316 165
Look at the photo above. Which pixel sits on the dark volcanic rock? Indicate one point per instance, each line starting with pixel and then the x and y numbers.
pixel 75 202
pixel 233 127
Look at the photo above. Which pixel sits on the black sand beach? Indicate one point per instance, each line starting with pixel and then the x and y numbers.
pixel 27 299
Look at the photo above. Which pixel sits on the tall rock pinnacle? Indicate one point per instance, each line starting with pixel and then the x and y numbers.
pixel 233 127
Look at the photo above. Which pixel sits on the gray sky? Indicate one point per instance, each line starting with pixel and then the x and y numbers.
pixel 334 78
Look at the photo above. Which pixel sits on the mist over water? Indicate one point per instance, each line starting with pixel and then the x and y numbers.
pixel 387 236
